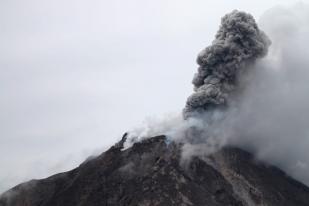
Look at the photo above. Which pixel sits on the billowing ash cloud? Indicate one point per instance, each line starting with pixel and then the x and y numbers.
pixel 238 43
pixel 270 115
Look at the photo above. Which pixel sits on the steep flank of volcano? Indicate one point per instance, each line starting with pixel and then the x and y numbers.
pixel 152 172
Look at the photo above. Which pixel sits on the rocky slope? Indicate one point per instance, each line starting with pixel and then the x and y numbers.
pixel 152 173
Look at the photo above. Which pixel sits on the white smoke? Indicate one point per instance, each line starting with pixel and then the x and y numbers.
pixel 273 118
pixel 270 117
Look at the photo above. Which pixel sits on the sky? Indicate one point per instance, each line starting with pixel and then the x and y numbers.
pixel 75 75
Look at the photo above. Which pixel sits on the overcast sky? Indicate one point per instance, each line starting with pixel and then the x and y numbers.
pixel 75 75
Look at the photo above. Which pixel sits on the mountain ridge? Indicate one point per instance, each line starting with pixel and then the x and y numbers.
pixel 152 172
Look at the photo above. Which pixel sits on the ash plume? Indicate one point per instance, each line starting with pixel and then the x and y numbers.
pixel 238 43
pixel 269 117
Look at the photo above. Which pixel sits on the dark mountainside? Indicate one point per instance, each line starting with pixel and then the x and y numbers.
pixel 151 172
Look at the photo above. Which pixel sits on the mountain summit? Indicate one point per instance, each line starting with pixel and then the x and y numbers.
pixel 152 172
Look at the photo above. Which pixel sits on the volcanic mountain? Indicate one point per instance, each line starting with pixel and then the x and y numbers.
pixel 155 172
pixel 152 172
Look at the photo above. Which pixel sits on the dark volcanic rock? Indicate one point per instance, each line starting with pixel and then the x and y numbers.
pixel 151 173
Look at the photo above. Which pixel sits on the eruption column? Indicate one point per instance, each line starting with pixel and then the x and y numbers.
pixel 237 45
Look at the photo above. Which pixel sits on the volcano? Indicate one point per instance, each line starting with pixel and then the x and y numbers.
pixel 152 173
pixel 155 172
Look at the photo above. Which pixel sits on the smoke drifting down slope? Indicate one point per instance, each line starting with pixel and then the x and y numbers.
pixel 237 45
pixel 265 109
